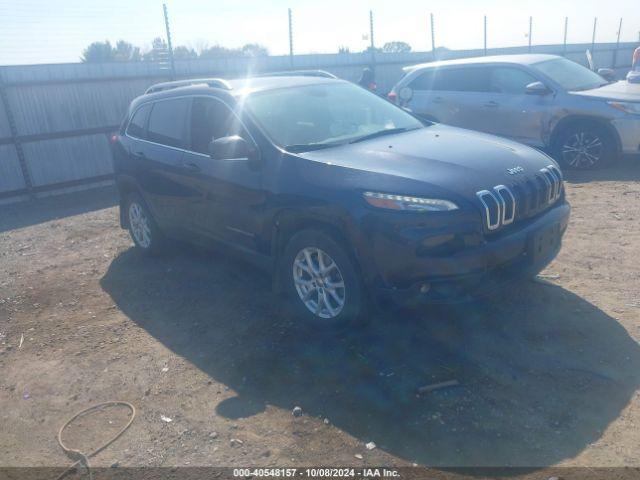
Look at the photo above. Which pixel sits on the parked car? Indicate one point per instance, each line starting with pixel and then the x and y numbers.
pixel 545 101
pixel 345 198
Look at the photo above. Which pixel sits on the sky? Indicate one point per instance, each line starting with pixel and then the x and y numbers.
pixel 56 31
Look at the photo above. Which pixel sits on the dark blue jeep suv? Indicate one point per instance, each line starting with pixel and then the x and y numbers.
pixel 343 196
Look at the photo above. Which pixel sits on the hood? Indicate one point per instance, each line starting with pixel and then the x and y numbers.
pixel 457 160
pixel 622 91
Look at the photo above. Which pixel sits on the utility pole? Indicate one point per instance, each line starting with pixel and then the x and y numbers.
pixel 615 52
pixel 433 39
pixel 169 45
pixel 290 38
pixel 373 48
pixel 530 28
pixel 485 35
pixel 564 47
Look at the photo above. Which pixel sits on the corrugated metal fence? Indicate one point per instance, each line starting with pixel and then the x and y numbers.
pixel 55 119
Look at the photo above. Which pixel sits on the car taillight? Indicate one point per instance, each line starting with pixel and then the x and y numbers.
pixel 113 138
pixel 393 97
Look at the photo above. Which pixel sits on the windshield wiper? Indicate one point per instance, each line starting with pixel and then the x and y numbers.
pixel 308 147
pixel 380 133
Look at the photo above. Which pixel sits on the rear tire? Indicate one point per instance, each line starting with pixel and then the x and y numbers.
pixel 321 281
pixel 584 146
pixel 143 229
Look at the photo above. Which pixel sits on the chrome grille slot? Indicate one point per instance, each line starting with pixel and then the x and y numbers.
pixel 508 204
pixel 492 208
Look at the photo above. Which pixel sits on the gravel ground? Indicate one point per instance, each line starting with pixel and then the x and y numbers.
pixel 548 372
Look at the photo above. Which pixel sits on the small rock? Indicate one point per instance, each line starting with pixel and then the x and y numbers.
pixel 115 465
pixel 213 435
pixel 370 446
pixel 166 419
pixel 296 412
pixel 235 442
pixel 326 421
pixel 358 456
pixel 553 478
pixel 147 392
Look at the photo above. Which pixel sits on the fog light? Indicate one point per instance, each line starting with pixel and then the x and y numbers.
pixel 425 287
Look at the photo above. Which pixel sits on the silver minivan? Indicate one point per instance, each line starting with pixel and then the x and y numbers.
pixel 545 101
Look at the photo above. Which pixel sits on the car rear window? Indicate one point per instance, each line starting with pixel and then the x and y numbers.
pixel 168 121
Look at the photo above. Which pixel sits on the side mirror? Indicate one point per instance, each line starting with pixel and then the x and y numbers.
pixel 537 88
pixel 608 74
pixel 231 148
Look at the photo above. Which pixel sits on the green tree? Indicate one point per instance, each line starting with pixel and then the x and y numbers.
pixel 254 50
pixel 126 52
pixel 98 52
pixel 396 47
pixel 184 53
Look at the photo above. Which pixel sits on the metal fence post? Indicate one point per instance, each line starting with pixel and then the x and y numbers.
pixel 485 34
pixel 169 45
pixel 615 52
pixel 290 38
pixel 530 28
pixel 433 39
pixel 564 45
pixel 17 144
pixel 593 37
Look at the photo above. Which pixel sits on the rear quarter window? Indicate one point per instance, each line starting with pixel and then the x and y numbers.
pixel 137 125
pixel 460 79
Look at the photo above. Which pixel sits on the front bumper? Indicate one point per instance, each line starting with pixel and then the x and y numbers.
pixel 472 272
pixel 628 128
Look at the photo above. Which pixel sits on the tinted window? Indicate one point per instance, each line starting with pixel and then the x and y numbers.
pixel 424 81
pixel 137 124
pixel 510 80
pixel 472 79
pixel 167 122
pixel 211 119
pixel 569 75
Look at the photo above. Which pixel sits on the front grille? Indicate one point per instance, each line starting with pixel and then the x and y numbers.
pixel 506 204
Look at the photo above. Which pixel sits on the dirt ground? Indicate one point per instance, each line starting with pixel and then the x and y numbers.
pixel 549 373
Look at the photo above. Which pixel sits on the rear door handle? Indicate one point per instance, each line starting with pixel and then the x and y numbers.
pixel 194 167
pixel 492 104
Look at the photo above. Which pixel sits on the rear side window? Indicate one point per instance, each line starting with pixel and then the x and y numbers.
pixel 510 80
pixel 167 123
pixel 472 79
pixel 138 122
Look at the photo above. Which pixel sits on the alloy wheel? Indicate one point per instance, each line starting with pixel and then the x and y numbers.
pixel 582 150
pixel 319 282
pixel 139 222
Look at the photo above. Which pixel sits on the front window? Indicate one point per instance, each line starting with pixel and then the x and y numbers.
pixel 323 115
pixel 570 75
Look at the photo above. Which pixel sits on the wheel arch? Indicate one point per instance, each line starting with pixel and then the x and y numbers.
pixel 572 120
pixel 126 185
pixel 289 222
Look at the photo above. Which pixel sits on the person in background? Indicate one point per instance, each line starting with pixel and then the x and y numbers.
pixel 634 75
pixel 368 80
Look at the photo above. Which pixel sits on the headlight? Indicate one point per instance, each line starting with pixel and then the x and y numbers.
pixel 626 107
pixel 402 202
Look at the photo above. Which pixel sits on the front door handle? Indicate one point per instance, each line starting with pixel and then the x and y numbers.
pixel 194 167
pixel 492 104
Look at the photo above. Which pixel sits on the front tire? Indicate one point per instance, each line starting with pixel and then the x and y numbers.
pixel 322 282
pixel 143 229
pixel 584 146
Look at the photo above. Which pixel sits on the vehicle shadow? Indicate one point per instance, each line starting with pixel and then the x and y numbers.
pixel 25 214
pixel 542 372
pixel 626 169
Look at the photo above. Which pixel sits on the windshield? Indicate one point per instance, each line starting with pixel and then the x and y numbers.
pixel 323 115
pixel 570 75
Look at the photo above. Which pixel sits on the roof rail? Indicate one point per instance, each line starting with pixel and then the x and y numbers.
pixel 212 82
pixel 298 73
